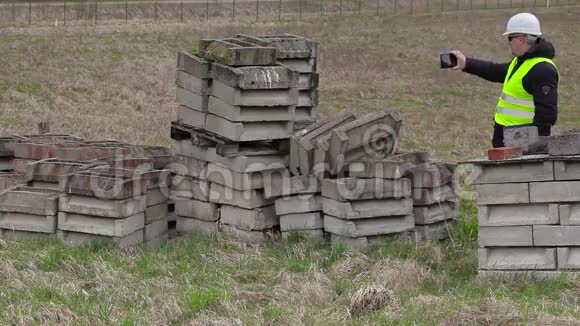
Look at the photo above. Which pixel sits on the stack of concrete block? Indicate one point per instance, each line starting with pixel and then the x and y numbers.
pixel 299 207
pixel 46 173
pixel 193 89
pixel 364 210
pixel 8 177
pixel 156 230
pixel 301 55
pixel 528 215
pixel 102 205
pixel 435 199
pixel 38 147
pixel 27 213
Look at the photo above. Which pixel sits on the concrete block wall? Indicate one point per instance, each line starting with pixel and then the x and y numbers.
pixel 528 221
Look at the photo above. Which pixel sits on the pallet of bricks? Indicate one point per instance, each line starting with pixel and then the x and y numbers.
pixel 84 191
pixel 239 101
pixel 529 211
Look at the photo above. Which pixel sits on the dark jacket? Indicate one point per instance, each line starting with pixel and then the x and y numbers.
pixel 541 81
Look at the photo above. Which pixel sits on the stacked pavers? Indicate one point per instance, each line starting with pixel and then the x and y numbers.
pixel 8 177
pixel 237 140
pixel 102 204
pixel 299 206
pixel 27 212
pixel 528 213
pixel 435 199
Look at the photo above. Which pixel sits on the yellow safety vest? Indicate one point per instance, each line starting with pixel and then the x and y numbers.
pixel 516 106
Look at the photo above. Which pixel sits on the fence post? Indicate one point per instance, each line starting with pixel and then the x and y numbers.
pixel 300 10
pixel 395 7
pixel 257 8
pixel 378 7
pixel 280 10
pixel 457 5
pixel 411 7
pixel 96 11
pixel 29 12
pixel 155 10
pixel 340 8
pixel 233 10
pixel 181 11
pixel 321 8
pixel 64 12
pixel 13 12
pixel 498 3
pixel 428 10
pixel 126 11
pixel 207 10
pixel 442 5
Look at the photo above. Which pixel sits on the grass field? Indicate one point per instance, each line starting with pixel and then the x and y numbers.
pixel 116 81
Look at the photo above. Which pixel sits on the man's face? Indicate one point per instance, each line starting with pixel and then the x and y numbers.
pixel 518 44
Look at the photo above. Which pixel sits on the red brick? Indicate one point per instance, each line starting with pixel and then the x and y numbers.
pixel 503 153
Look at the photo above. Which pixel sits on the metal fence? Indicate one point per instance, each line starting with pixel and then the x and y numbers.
pixel 50 12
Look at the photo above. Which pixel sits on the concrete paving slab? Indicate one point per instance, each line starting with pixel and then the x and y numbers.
pixel 569 258
pixel 249 131
pixel 436 212
pixel 236 113
pixel 517 258
pixel 255 77
pixel 298 204
pixel 156 213
pixel 191 100
pixel 248 199
pixel 245 181
pixel 566 170
pixel 537 275
pixel 308 98
pixel 189 187
pixel 368 226
pixel 201 86
pixel 10 179
pixel 505 236
pixel 287 45
pixel 193 65
pixel 100 225
pixel 431 196
pixel 29 200
pixel 156 196
pixel 557 191
pixel 28 222
pixel 516 172
pixel 190 167
pixel 261 97
pixel 197 209
pixel 302 65
pixel 308 81
pixel 348 189
pixel 155 230
pixel 301 221
pixel 103 185
pixel 295 185
pixel 386 169
pixel 508 193
pixel 251 220
pixel 188 225
pixel 518 214
pixel 569 214
pixel 76 239
pixel 110 208
pixel 566 144
pixel 357 209
pixel 232 53
pixel 431 175
pixel 556 235
pixel 191 117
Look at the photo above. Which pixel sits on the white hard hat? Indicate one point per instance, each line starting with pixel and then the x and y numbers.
pixel 524 23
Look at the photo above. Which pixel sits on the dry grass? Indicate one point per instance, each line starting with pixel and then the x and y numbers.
pixel 117 81
pixel 372 298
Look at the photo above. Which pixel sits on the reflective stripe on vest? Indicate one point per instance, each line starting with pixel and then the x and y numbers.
pixel 516 106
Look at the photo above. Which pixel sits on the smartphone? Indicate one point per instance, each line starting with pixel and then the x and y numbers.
pixel 448 60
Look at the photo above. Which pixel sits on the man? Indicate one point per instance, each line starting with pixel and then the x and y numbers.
pixel 530 79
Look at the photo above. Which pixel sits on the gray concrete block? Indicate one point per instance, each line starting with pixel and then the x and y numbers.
pixel 191 100
pixel 100 225
pixel 156 196
pixel 431 175
pixel 386 169
pixel 44 185
pixel 516 258
pixel 190 167
pixel 155 230
pixel 93 206
pixel 368 226
pixel 505 236
pixel 303 65
pixel 517 214
pixel 435 231
pixel 248 199
pixel 201 86
pixel 249 131
pixel 308 98
pixel 50 170
pixel 261 237
pixel 28 222
pixel 157 242
pixel 298 204
pixel 104 185
pixel 197 209
pixel 310 234
pixel 14 235
pixel 552 192
pixel 307 81
pixel 525 137
pixel 236 53
pixel 29 200
pixel 374 134
pixel 70 238
pixel 357 189
pixel 287 45
pixel 364 244
pixel 187 225
pixel 250 219
pixel 187 148
pixel 301 221
pixel 296 185
pixel 20 165
pixel 156 213
pixel 193 65
pixel 508 193
pixel 255 77
pixel 171 217
pixel 514 172
pixel 367 208
pixel 237 113
pixel 556 235
pixel 188 187
pixel 435 213
pixel 306 115
pixel 567 170
pixel 9 179
pixel 191 117
pixel 262 97
pixel 430 196
pixel 245 181
pixel 537 275
pixel 569 258
pixel 566 144
pixel 569 214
